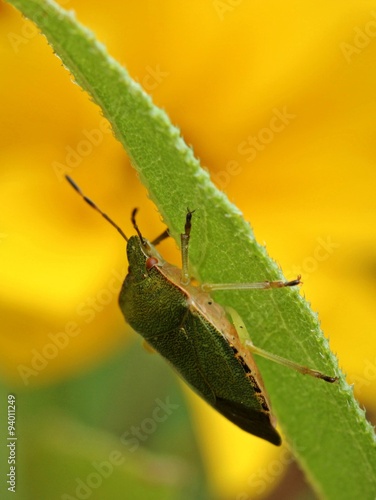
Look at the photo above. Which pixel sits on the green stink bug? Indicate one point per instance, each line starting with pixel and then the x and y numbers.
pixel 193 333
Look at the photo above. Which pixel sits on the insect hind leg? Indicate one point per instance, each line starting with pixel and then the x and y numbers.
pixel 240 327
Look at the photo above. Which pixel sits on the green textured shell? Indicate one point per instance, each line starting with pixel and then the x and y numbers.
pixel 192 332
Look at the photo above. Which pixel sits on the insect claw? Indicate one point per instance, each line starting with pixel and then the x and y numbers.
pixel 331 380
pixel 294 282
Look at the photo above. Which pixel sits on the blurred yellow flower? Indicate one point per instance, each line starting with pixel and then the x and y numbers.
pixel 277 100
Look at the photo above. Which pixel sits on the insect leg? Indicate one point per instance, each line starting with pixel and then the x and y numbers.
pixel 185 277
pixel 263 285
pixel 241 329
pixel 160 238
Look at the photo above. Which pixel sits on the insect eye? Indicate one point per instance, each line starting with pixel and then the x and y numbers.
pixel 151 262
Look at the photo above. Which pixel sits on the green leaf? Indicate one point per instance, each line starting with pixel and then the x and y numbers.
pixel 83 462
pixel 323 423
pixel 97 433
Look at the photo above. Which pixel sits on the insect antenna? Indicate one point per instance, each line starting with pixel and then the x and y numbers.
pixel 134 223
pixel 93 205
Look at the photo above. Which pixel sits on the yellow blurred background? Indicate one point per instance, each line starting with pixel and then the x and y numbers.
pixel 278 102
